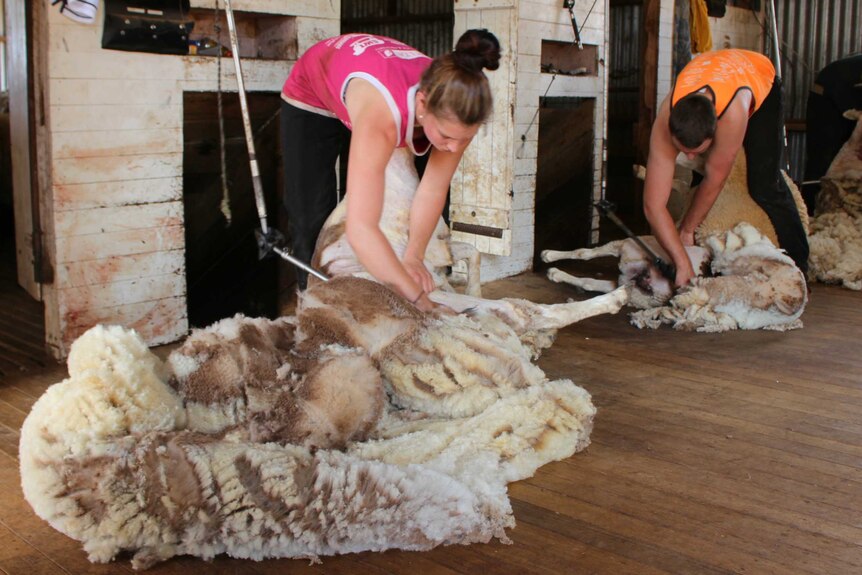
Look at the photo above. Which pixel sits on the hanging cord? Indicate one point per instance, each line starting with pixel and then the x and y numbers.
pixel 225 194
pixel 554 77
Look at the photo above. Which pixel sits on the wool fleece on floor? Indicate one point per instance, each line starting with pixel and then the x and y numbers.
pixel 358 424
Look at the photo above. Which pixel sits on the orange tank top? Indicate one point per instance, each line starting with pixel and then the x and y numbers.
pixel 725 72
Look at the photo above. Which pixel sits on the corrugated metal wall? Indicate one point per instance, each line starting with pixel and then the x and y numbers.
pixel 424 24
pixel 813 33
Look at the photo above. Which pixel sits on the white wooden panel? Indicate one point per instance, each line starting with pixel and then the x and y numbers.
pixel 101 246
pixel 481 188
pixel 201 74
pixel 98 92
pixel 158 322
pixel 310 31
pixel 476 5
pixel 118 219
pixel 313 8
pixel 112 64
pixel 115 117
pixel 117 168
pixel 104 194
pixel 67 36
pixel 75 299
pixel 102 143
pixel 120 268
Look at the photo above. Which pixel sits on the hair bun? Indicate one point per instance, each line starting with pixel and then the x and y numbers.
pixel 477 49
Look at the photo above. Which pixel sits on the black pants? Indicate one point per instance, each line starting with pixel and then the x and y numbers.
pixel 764 146
pixel 310 145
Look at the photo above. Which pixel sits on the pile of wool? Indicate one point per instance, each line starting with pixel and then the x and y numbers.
pixel 297 437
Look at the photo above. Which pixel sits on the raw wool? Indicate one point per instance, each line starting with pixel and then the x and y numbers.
pixel 334 256
pixel 111 458
pixel 734 205
pixel 756 286
pixel 836 229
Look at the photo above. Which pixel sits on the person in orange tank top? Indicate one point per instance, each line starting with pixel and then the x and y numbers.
pixel 722 101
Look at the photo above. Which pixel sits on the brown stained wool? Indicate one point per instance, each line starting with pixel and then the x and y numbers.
pixel 82 480
pixel 278 422
pixel 766 283
pixel 423 387
pixel 228 366
pixel 275 507
pixel 319 327
pixel 328 236
pixel 219 378
pixel 368 300
pixel 181 484
pixel 260 356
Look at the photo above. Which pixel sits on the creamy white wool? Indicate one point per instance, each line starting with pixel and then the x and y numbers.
pixel 757 286
pixel 836 250
pixel 836 229
pixel 421 480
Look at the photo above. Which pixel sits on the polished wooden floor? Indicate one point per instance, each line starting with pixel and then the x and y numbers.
pixel 712 453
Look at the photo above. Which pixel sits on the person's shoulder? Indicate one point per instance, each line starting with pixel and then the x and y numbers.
pixel 739 107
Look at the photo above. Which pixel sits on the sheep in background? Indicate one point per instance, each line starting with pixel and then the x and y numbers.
pixel 735 242
pixel 836 228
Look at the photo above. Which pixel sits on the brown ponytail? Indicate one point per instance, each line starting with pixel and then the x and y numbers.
pixel 455 85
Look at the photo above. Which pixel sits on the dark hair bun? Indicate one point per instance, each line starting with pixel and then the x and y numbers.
pixel 477 49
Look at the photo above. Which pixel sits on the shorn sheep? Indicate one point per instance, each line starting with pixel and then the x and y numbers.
pixel 836 228
pixel 744 281
pixel 359 423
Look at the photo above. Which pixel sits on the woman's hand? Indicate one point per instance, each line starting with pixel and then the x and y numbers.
pixel 686 237
pixel 425 304
pixel 416 269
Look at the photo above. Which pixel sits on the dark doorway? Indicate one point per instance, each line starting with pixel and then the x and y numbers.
pixel 625 56
pixel 223 273
pixel 564 174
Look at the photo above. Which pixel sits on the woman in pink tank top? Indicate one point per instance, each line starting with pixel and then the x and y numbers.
pixel 379 94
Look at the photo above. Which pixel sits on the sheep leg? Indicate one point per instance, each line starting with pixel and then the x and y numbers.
pixel 526 316
pixel 560 315
pixel 609 249
pixel 468 253
pixel 586 284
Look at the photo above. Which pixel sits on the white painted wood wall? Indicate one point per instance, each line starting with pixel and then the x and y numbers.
pixel 495 184
pixel 113 209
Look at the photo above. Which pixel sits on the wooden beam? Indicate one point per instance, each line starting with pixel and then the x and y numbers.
pixel 648 80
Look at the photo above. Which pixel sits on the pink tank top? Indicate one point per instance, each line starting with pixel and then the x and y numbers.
pixel 318 80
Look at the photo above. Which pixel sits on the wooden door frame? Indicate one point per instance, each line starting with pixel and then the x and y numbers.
pixel 647 94
pixel 26 53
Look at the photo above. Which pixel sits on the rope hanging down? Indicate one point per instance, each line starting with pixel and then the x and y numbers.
pixel 225 195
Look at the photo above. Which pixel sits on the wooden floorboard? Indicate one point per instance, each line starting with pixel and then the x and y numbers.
pixel 711 454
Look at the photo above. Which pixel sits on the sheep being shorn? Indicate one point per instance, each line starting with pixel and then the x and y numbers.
pixel 754 285
pixel 744 282
pixel 358 424
pixel 836 228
